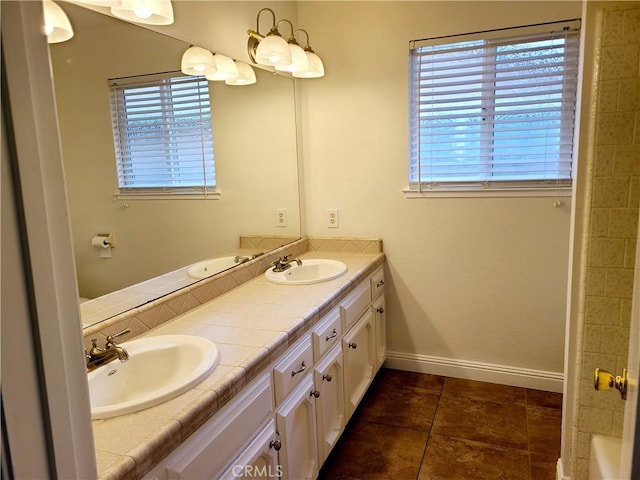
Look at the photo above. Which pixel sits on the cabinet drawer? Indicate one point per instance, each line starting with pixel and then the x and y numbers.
pixel 292 368
pixel 377 283
pixel 326 334
pixel 208 450
pixel 355 304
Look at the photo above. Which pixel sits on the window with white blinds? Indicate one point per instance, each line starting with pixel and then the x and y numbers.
pixel 162 134
pixel 494 110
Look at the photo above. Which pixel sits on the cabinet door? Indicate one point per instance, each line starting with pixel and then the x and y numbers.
pixel 328 380
pixel 358 346
pixel 259 459
pixel 296 424
pixel 379 314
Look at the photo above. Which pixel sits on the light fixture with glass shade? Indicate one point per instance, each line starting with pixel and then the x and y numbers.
pixel 151 12
pixel 299 62
pixel 246 75
pixel 270 50
pixel 197 61
pixel 225 68
pixel 316 67
pixel 57 26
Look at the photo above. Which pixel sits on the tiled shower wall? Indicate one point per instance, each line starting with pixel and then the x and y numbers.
pixel 614 224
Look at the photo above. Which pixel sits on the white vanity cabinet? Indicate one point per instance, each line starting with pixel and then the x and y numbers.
pixel 213 448
pixel 296 425
pixel 285 422
pixel 259 459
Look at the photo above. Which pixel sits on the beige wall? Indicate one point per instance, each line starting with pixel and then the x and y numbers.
pixel 470 279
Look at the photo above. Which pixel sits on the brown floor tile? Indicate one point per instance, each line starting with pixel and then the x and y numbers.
pixel 484 421
pixel 400 406
pixel 451 458
pixel 403 378
pixel 370 451
pixel 484 390
pixel 540 398
pixel 544 426
pixel 543 467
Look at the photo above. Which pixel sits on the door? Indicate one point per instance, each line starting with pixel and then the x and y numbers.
pixel 296 424
pixel 359 350
pixel 330 402
pixel 259 459
pixel 630 457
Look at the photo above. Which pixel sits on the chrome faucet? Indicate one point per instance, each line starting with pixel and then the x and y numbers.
pixel 239 260
pixel 283 263
pixel 97 356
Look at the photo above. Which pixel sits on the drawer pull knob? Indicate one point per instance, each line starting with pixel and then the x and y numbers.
pixel 303 367
pixel 326 377
pixel 380 310
pixel 380 283
pixel 334 334
pixel 353 345
pixel 314 393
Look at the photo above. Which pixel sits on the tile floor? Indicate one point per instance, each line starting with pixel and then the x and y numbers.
pixel 428 427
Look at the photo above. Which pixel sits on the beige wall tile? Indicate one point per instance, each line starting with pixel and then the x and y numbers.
pixel 610 192
pixel 606 252
pixel 602 311
pixel 619 283
pixel 596 420
pixel 614 128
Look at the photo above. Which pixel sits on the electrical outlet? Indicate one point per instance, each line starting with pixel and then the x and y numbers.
pixel 281 217
pixel 333 218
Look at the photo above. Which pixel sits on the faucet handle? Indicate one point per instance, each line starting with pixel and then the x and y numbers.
pixel 116 335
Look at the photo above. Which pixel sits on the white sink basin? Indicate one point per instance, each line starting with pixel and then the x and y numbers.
pixel 313 270
pixel 159 368
pixel 210 267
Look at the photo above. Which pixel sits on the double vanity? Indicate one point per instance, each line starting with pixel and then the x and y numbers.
pixel 272 371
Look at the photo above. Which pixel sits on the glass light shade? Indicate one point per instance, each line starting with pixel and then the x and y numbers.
pixel 56 23
pixel 151 12
pixel 225 68
pixel 273 50
pixel 316 68
pixel 299 61
pixel 246 75
pixel 197 61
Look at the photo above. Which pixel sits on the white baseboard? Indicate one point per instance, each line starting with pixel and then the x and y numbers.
pixel 560 471
pixel 484 372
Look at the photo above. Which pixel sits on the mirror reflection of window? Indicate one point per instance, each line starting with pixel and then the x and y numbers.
pixel 162 134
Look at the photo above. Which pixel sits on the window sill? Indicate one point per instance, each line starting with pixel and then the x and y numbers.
pixel 167 196
pixel 443 192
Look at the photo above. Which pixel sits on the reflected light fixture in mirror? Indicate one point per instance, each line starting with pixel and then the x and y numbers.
pixel 150 12
pixel 246 75
pixel 197 61
pixel 225 68
pixel 57 26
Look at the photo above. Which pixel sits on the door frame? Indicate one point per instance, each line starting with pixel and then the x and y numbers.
pixel 49 289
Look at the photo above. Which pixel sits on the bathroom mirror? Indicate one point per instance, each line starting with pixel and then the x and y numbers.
pixel 255 152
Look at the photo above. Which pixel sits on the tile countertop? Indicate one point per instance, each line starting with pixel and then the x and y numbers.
pixel 252 325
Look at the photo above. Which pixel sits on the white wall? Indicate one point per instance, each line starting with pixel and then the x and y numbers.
pixel 480 279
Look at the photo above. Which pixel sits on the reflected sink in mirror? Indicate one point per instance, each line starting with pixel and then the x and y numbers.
pixel 212 266
pixel 313 270
pixel 159 368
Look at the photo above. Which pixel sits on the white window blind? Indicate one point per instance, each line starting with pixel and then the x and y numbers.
pixel 162 134
pixel 494 110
